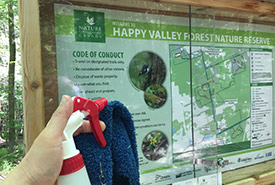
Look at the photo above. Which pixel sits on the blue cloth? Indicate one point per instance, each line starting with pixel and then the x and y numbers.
pixel 117 163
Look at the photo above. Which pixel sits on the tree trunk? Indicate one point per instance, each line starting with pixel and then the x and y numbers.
pixel 11 76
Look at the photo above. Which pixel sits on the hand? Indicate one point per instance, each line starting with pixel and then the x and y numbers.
pixel 42 164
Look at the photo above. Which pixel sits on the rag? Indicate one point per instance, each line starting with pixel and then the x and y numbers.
pixel 117 162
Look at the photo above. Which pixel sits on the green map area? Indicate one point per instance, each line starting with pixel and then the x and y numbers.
pixel 221 98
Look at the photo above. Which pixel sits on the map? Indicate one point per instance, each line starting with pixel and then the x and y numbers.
pixel 221 99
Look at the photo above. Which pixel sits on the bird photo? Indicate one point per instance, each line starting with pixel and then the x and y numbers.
pixel 144 70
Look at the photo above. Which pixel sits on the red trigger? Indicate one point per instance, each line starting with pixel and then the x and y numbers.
pixel 93 108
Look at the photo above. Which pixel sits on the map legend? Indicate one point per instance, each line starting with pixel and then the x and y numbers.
pixel 261 115
pixel 261 66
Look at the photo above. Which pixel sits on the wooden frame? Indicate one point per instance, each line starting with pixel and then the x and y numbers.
pixel 33 94
pixel 260 174
pixel 39 103
pixel 251 6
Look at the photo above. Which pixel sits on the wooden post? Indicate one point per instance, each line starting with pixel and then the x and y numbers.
pixel 33 96
pixel 251 6
pixel 263 179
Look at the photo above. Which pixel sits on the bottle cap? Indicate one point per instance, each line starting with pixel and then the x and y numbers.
pixel 72 165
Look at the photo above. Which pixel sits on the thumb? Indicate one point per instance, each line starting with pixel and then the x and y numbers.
pixel 61 116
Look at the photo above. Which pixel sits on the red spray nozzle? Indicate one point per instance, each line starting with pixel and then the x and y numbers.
pixel 101 103
pixel 93 108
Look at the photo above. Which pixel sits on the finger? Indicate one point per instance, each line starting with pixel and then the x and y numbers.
pixel 61 116
pixel 86 127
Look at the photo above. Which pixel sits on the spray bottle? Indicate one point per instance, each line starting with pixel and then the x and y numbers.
pixel 73 170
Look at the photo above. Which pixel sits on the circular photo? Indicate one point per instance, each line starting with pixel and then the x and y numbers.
pixel 146 68
pixel 155 96
pixel 155 145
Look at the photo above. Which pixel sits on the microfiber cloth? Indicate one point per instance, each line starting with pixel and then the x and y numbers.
pixel 117 162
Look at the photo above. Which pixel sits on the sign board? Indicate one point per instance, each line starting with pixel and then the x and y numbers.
pixel 144 61
pixel 199 89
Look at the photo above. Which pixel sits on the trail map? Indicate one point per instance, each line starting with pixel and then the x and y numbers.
pixel 221 97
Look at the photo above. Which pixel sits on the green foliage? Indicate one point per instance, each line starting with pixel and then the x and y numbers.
pixel 4 28
pixel 155 145
pixel 18 109
pixel 4 8
pixel 155 96
pixel 9 161
pixel 3 152
pixel 6 167
pixel 155 139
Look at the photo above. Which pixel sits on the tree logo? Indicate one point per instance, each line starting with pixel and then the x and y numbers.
pixel 89 26
pixel 90 21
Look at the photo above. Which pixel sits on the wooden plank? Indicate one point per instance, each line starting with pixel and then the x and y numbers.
pixel 181 10
pixel 137 6
pixel 33 97
pixel 266 179
pixel 233 16
pixel 263 179
pixel 248 172
pixel 141 4
pixel 248 181
pixel 252 6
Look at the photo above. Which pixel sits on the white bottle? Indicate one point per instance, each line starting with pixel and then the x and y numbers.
pixel 73 170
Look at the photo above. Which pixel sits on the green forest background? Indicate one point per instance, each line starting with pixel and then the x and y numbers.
pixel 11 101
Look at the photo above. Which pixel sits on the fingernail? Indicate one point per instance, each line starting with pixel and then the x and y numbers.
pixel 64 100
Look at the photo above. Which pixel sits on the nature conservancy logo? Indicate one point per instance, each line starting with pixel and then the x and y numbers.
pixel 89 26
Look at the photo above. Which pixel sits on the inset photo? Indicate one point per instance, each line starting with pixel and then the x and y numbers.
pixel 155 96
pixel 155 145
pixel 146 68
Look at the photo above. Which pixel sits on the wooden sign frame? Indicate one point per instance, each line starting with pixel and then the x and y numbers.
pixel 39 60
